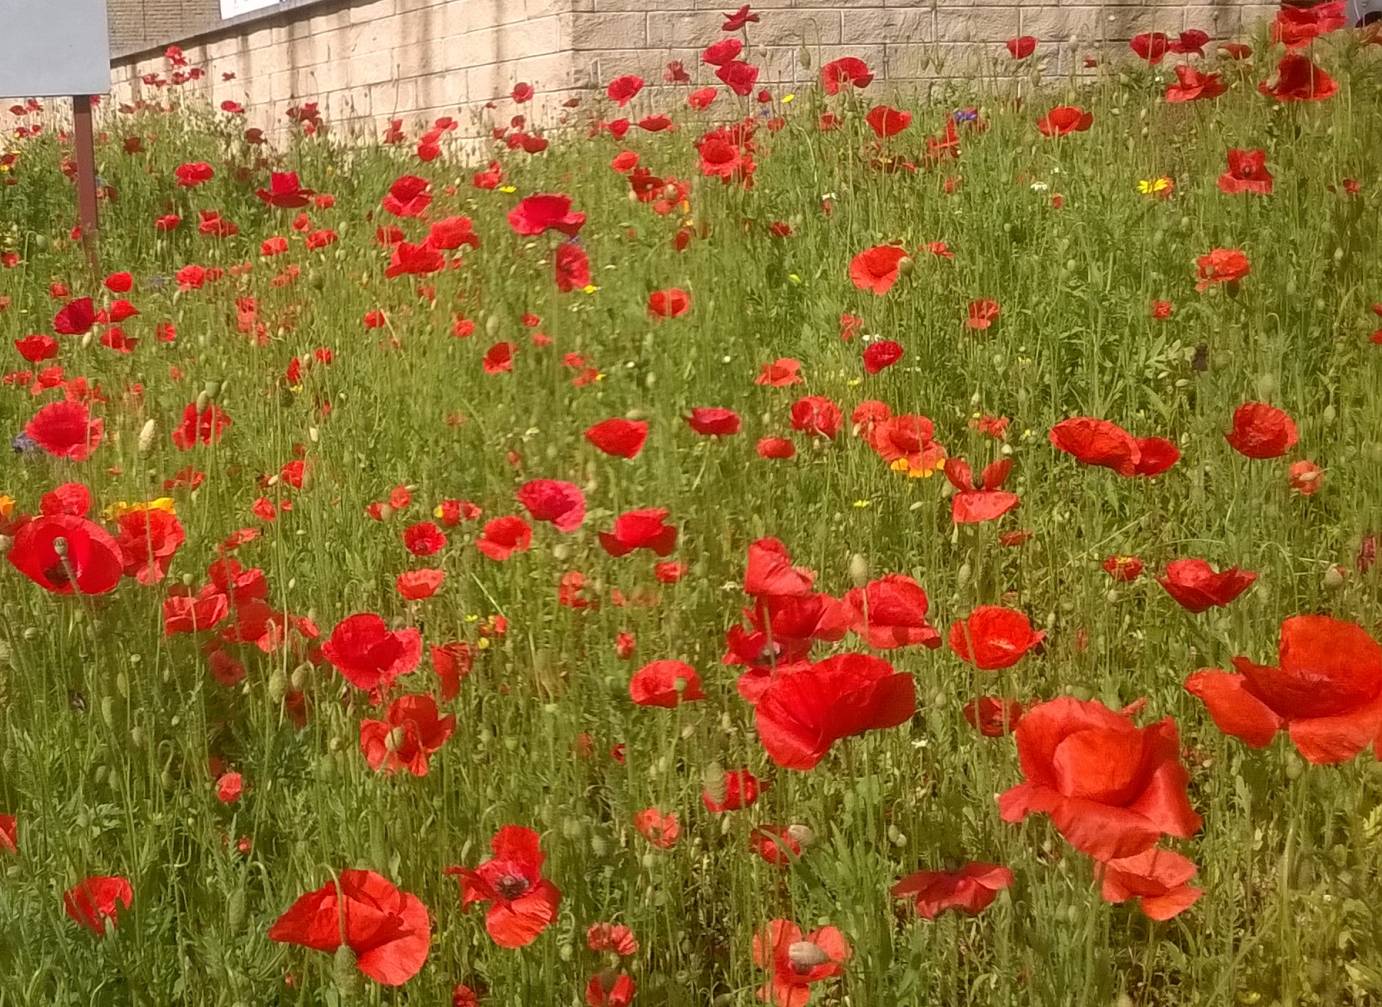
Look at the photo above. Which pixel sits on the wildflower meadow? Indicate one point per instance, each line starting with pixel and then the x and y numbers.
pixel 719 542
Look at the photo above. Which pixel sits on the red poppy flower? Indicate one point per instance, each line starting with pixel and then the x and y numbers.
pixel 981 314
pixel 1112 789
pixel 800 716
pixel 775 448
pixel 66 429
pixel 613 937
pixel 1195 585
pixel 204 427
pixel 408 196
pixel 388 931
pixel 734 790
pixel 780 373
pixel 191 613
pixel 816 416
pixel 1326 691
pixel 666 684
pixel 712 421
pixel 1022 46
pixel 891 612
pixel 418 585
pixel 847 71
pixel 37 347
pixel 545 212
pixel 970 890
pixel 1064 120
pixel 876 269
pixel 1124 569
pixel 370 656
pixel 1261 431
pixel 610 990
pixel 522 903
pixel 450 233
pixel 1192 40
pixel 572 267
pixel 640 529
pixel 1151 46
pixel 193 174
pixel 993 637
pixel 722 52
pixel 986 502
pixel 1298 26
pixel 740 18
pixel 119 283
pixel 424 539
pixel 408 736
pixel 75 318
pixel 1107 445
pixel 1305 477
pixel 94 900
pixel 1192 85
pixel 881 354
pixel 9 834
pixel 452 663
pixel 662 829
pixel 1247 172
pixel 702 98
pixel 1157 878
pixel 148 538
pixel 993 716
pixel 561 503
pixel 770 573
pixel 886 121
pixel 285 191
pixel 619 437
pixel 1298 79
pixel 504 536
pixel 905 442
pixel 62 554
pixel 779 845
pixel 797 960
pixel 670 303
pixel 622 90
pixel 414 260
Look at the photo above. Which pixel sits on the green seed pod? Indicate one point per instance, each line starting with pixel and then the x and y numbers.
pixel 278 685
pixel 108 711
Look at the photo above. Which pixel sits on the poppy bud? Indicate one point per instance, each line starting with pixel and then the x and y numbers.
pixel 1294 766
pixel 203 400
pixel 801 835
pixel 344 972
pixel 235 909
pixel 122 685
pixel 277 686
pixel 313 434
pixel 858 570
pixel 146 436
pixel 905 266
pixel 963 574
pixel 137 738
pixel 806 955
pixel 804 57
pixel 108 711
pixel 385 511
pixel 492 326
pixel 896 836
pixel 87 340
pixel 1334 577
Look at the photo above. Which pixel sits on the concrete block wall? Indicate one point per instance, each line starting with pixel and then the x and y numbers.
pixel 367 61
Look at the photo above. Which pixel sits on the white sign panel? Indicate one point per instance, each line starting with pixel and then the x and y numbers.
pixel 50 48
pixel 234 8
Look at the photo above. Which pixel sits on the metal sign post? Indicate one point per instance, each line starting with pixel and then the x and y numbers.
pixel 60 49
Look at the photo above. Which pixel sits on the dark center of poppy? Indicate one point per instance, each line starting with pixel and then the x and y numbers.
pixel 511 886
